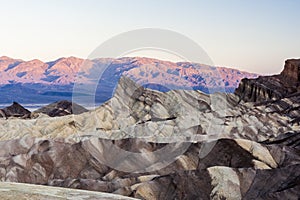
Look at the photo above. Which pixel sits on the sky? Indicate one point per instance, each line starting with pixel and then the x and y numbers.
pixel 255 36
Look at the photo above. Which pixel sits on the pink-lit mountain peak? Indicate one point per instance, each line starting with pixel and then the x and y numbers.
pixel 63 66
pixel 3 58
pixel 144 70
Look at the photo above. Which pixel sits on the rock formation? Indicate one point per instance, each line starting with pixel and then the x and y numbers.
pixel 272 87
pixel 175 115
pixel 232 169
pixel 61 108
pixel 291 72
pixel 15 110
pixel 180 144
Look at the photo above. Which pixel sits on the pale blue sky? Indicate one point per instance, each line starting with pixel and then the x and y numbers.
pixel 256 35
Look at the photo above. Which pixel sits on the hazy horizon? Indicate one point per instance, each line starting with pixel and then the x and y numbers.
pixel 254 36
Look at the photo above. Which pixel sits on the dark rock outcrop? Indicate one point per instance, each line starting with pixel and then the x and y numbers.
pixel 274 87
pixel 15 110
pixel 291 72
pixel 61 108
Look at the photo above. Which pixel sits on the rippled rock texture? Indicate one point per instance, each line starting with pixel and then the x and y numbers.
pixel 230 169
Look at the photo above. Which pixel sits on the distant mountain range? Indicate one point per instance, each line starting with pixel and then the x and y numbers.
pixel 44 82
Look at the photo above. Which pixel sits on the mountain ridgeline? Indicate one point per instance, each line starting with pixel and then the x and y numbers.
pixel 45 82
